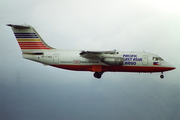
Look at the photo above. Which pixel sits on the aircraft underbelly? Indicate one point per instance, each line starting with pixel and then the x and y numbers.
pixel 100 68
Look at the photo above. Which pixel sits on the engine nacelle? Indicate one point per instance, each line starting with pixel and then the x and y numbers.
pixel 115 61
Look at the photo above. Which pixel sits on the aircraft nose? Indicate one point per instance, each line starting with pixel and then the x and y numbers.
pixel 168 65
pixel 172 67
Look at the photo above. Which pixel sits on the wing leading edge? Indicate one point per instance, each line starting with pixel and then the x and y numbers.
pixel 95 54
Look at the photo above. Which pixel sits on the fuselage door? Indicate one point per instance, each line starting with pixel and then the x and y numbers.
pixel 145 59
pixel 56 58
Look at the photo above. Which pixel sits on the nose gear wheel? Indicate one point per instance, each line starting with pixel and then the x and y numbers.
pixel 161 76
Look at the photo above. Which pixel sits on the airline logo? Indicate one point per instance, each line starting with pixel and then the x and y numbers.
pixel 30 41
pixel 155 63
pixel 76 61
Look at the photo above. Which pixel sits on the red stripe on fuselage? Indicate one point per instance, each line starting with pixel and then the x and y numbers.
pixel 115 68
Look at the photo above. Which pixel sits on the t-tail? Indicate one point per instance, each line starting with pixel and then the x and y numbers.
pixel 29 40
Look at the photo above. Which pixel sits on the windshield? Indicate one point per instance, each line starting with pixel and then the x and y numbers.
pixel 157 59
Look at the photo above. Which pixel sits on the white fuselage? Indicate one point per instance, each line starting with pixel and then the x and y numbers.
pixel 34 48
pixel 72 60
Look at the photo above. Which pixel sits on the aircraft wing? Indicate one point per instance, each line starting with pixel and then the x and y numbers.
pixel 95 54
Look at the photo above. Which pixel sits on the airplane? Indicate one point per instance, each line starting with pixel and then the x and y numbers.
pixel 34 48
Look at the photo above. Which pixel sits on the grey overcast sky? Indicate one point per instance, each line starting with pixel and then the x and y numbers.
pixel 29 90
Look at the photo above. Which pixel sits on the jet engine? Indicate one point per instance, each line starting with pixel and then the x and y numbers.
pixel 115 61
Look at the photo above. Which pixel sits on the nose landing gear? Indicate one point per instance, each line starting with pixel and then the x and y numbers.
pixel 161 76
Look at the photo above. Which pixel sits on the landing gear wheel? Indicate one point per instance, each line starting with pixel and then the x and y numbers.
pixel 97 75
pixel 161 76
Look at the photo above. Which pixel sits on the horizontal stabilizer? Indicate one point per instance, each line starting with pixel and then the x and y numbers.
pixel 19 26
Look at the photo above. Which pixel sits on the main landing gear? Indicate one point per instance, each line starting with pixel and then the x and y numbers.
pixel 161 76
pixel 98 74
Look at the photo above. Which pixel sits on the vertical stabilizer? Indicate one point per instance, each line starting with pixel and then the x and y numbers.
pixel 28 39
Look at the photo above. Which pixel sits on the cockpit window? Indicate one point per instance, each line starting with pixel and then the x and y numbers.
pixel 161 59
pixel 157 59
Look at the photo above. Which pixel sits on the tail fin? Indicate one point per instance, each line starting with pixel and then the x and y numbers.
pixel 29 40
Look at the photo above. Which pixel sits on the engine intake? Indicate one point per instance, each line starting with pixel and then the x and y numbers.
pixel 115 61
